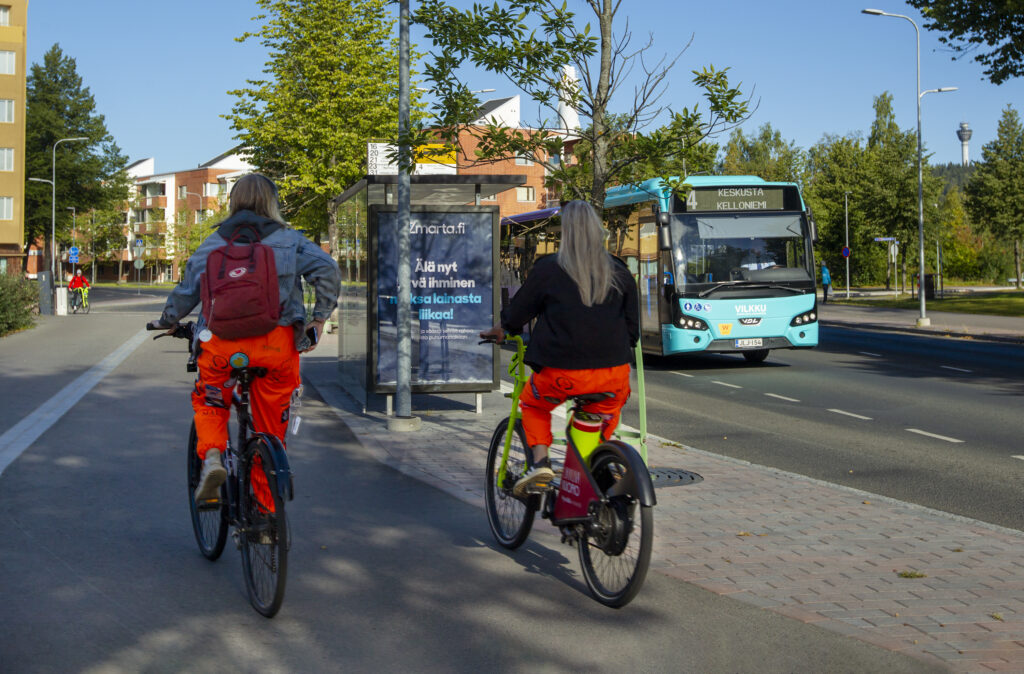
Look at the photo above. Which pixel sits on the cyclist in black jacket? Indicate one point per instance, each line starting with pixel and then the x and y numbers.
pixel 585 303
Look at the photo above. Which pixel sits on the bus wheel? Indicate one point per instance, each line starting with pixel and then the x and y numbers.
pixel 756 356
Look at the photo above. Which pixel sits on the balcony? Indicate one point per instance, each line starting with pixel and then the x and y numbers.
pixel 153 202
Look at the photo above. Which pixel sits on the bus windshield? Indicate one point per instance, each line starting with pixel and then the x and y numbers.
pixel 721 251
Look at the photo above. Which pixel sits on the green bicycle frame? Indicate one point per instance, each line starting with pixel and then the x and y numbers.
pixel 586 442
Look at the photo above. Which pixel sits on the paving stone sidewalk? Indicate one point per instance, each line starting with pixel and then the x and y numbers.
pixel 942 588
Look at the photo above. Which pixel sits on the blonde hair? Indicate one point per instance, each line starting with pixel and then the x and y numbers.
pixel 582 254
pixel 257 193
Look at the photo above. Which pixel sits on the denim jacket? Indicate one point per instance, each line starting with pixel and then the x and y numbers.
pixel 295 257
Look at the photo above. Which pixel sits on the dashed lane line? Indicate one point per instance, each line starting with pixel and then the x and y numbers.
pixel 955 369
pixel 722 383
pixel 787 399
pixel 869 353
pixel 683 374
pixel 850 414
pixel 932 435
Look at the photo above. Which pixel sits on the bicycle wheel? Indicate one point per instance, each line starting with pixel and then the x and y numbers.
pixel 264 531
pixel 85 304
pixel 615 549
pixel 510 518
pixel 209 521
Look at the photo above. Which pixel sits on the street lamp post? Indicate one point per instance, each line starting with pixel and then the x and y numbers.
pixel 74 234
pixel 923 320
pixel 846 217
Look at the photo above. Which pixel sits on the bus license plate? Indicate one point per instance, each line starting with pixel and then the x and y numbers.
pixel 747 343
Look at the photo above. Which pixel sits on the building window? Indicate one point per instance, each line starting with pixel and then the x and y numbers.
pixel 6 208
pixel 182 191
pixel 6 110
pixel 5 15
pixel 213 190
pixel 7 62
pixel 525 194
pixel 6 158
pixel 523 161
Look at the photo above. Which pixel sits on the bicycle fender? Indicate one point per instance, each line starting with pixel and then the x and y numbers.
pixel 643 486
pixel 281 468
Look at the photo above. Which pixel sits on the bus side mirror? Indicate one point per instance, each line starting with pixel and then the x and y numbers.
pixel 664 234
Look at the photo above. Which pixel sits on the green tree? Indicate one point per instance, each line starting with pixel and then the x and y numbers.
pixel 835 167
pixel 765 154
pixel 994 188
pixel 530 43
pixel 89 173
pixel 993 31
pixel 332 82
pixel 890 198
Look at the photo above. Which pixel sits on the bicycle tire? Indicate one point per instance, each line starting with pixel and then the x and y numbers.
pixel 85 305
pixel 510 518
pixel 210 525
pixel 614 555
pixel 263 535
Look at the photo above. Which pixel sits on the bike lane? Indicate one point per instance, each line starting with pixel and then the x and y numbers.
pixel 100 571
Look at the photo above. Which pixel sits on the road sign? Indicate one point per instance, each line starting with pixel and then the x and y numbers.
pixel 73 250
pixel 885 238
pixel 845 251
pixel 138 243
pixel 139 264
pixel 73 259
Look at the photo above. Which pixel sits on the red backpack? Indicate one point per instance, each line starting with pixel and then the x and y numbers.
pixel 239 289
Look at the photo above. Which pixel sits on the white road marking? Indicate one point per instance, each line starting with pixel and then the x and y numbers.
pixel 850 414
pixel 21 436
pixel 1017 456
pixel 932 435
pixel 955 369
pixel 868 353
pixel 776 395
pixel 682 374
pixel 722 383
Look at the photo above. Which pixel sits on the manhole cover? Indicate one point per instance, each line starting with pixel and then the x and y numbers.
pixel 673 477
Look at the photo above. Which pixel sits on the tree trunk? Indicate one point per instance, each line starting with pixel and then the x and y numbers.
pixel 599 119
pixel 1016 261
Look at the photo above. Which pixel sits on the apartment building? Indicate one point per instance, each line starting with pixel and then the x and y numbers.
pixel 13 26
pixel 166 206
pixel 528 197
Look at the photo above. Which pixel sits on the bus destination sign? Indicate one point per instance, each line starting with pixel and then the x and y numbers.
pixel 740 198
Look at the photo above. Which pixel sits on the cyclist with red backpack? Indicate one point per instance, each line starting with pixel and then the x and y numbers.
pixel 247 275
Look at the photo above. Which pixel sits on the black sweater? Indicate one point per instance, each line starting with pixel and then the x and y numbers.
pixel 569 335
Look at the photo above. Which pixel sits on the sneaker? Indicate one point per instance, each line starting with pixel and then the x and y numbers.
pixel 212 477
pixel 539 476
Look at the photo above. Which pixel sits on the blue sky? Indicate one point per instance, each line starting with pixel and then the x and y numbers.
pixel 160 72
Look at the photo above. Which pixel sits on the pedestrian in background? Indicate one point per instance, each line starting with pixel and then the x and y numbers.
pixel 826 283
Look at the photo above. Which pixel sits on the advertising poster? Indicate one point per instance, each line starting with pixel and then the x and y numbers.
pixel 452 275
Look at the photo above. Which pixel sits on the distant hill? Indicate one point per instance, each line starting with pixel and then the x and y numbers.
pixel 953 175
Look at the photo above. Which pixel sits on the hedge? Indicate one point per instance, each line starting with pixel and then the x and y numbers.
pixel 18 297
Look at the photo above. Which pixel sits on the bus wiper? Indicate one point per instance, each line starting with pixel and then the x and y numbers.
pixel 747 284
pixel 723 284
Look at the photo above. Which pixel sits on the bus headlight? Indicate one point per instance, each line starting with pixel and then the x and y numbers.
pixel 805 318
pixel 690 323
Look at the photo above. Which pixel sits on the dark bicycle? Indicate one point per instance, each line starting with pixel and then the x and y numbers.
pixel 252 499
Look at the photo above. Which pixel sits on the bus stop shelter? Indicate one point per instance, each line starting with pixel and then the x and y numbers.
pixel 453 260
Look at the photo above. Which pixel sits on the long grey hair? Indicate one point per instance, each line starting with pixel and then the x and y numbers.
pixel 582 254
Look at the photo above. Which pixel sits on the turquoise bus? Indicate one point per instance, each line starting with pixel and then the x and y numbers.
pixel 726 268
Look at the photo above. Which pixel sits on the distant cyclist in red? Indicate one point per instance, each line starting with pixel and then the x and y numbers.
pixel 78 281
pixel 77 286
pixel 588 321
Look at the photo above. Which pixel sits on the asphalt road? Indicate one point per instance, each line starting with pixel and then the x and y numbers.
pixel 930 420
pixel 99 570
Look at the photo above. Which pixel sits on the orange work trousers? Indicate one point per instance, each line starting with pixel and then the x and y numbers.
pixel 269 396
pixel 550 387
